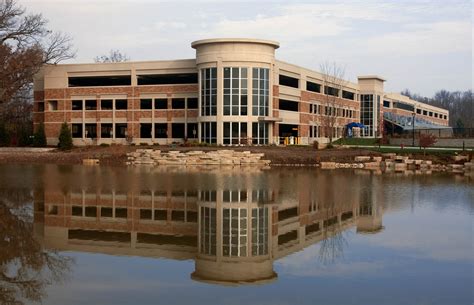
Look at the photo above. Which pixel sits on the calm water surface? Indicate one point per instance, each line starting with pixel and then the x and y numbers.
pixel 112 235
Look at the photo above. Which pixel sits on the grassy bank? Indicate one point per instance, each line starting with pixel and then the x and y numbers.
pixel 356 141
pixel 302 155
pixel 413 150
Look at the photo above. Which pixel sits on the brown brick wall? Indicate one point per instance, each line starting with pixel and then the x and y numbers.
pixel 53 119
pixel 52 130
pixel 38 96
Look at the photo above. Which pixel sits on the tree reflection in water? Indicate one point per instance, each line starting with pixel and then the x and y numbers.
pixel 332 246
pixel 25 268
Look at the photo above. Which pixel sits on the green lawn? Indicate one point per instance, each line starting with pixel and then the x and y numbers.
pixel 356 141
pixel 410 150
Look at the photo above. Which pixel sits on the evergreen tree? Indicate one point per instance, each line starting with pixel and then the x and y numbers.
pixel 65 137
pixel 40 137
pixel 25 138
pixel 4 138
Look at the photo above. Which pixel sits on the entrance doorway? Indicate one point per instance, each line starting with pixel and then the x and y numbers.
pixel 288 130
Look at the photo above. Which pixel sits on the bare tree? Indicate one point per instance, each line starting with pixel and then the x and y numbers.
pixel 113 56
pixel 25 46
pixel 333 81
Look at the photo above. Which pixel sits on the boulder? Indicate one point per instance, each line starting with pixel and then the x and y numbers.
pixel 328 165
pixel 362 158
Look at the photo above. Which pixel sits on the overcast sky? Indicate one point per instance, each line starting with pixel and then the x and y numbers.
pixel 421 45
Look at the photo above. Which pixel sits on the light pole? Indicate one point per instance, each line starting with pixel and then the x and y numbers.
pixel 413 127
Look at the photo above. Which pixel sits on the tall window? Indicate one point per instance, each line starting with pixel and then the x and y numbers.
pixel 367 114
pixel 208 91
pixel 235 133
pixel 235 91
pixel 377 118
pixel 234 232
pixel 209 132
pixel 208 230
pixel 314 131
pixel 260 133
pixel 260 91
pixel 260 231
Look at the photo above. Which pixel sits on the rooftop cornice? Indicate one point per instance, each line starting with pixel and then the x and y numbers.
pixel 272 43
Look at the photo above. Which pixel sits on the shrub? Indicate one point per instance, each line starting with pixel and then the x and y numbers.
pixel 426 140
pixel 26 137
pixel 65 137
pixel 330 146
pixel 104 145
pixel 315 144
pixel 40 137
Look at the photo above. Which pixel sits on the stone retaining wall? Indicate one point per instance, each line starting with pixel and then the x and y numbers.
pixel 394 163
pixel 174 157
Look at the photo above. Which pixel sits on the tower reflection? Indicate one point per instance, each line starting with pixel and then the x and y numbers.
pixel 234 224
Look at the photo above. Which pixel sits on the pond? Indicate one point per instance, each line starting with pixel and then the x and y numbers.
pixel 141 235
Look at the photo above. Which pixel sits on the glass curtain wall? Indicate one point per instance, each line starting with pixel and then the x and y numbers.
pixel 209 92
pixel 235 133
pixel 260 231
pixel 260 91
pixel 260 133
pixel 235 91
pixel 209 132
pixel 367 114
pixel 234 232
pixel 208 230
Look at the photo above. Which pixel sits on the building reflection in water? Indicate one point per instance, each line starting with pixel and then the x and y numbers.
pixel 233 224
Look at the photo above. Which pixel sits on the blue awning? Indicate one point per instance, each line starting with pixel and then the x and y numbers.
pixel 354 124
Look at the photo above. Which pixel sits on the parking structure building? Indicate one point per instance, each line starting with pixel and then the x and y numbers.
pixel 235 92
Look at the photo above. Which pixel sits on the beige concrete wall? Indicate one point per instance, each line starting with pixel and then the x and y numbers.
pixel 56 76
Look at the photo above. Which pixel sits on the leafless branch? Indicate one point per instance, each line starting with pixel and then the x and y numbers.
pixel 113 56
pixel 333 77
pixel 58 48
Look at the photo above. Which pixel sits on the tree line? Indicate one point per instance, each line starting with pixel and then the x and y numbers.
pixel 459 103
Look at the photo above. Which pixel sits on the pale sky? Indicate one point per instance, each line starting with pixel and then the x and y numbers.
pixel 421 45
